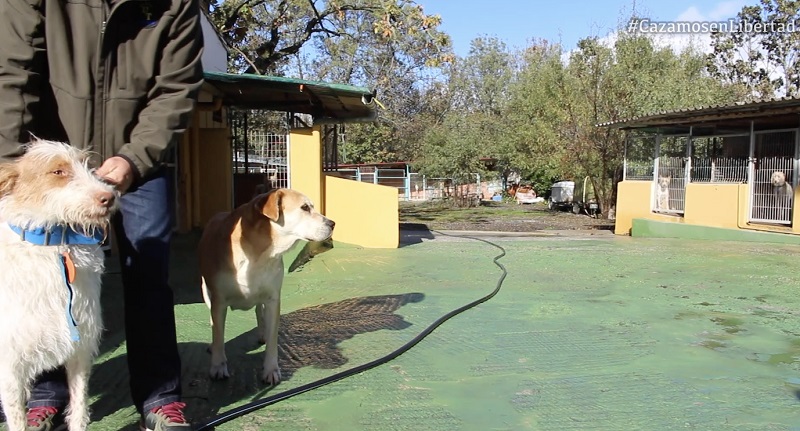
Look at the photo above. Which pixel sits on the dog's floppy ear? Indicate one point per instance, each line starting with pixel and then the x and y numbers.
pixel 8 177
pixel 272 205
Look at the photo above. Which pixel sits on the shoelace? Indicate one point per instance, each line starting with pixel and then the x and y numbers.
pixel 173 412
pixel 37 414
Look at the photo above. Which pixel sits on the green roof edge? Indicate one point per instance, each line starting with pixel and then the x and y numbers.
pixel 232 78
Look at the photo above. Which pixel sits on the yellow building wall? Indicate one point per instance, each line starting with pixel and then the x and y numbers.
pixel 305 164
pixel 712 205
pixel 633 201
pixel 365 214
pixel 715 205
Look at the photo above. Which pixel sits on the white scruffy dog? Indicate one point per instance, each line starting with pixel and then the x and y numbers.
pixel 662 192
pixel 54 213
pixel 780 188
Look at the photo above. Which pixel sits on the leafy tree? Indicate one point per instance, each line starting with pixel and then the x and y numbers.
pixel 556 105
pixel 763 63
pixel 533 118
pixel 267 34
pixel 397 135
pixel 588 92
pixel 480 81
pixel 454 149
pixel 467 122
pixel 389 45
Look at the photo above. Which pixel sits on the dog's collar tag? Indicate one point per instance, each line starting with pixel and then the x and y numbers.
pixel 68 271
pixel 69 267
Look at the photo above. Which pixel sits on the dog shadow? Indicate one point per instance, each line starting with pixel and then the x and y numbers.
pixel 308 337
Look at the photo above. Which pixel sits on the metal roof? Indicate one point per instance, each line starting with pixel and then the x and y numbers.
pixel 781 109
pixel 326 102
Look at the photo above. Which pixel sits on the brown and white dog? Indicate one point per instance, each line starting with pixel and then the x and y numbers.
pixel 53 217
pixel 241 264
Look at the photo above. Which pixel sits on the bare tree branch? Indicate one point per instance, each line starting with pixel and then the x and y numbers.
pixel 253 67
pixel 235 14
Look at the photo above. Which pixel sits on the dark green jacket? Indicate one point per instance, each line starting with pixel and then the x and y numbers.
pixel 118 77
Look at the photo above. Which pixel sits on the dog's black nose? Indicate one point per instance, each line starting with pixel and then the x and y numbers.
pixel 331 223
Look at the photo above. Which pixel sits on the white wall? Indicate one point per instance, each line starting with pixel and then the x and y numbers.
pixel 215 56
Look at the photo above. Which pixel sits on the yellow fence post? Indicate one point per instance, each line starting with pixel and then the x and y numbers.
pixel 305 164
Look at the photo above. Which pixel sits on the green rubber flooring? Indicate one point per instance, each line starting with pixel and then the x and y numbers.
pixel 591 332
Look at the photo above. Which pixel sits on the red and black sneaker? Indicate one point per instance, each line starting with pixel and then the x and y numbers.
pixel 168 417
pixel 45 418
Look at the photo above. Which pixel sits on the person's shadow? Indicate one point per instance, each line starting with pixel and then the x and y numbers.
pixel 414 233
pixel 307 337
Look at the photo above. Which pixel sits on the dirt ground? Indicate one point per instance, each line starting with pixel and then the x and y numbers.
pixel 496 216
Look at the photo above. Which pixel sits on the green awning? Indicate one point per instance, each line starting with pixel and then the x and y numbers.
pixel 326 102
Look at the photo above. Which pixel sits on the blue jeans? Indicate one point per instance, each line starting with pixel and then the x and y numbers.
pixel 143 228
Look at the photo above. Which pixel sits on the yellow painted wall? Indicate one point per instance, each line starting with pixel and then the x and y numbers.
pixel 305 164
pixel 712 205
pixel 365 214
pixel 633 201
pixel 715 205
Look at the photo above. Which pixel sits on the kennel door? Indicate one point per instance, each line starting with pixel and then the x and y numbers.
pixel 669 193
pixel 774 152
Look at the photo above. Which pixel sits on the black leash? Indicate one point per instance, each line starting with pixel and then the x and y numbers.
pixel 273 399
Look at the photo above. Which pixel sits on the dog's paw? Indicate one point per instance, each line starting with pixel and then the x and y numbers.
pixel 271 376
pixel 219 372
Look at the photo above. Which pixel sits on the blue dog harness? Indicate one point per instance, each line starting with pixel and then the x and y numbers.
pixel 61 235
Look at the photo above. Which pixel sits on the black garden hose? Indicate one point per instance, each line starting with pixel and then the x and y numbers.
pixel 273 399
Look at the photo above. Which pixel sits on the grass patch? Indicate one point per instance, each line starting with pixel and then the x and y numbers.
pixel 445 212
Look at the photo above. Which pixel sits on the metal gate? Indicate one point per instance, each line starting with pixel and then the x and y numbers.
pixel 270 153
pixel 773 176
pixel 260 144
pixel 671 174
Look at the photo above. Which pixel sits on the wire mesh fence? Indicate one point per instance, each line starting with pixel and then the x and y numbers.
pixel 392 177
pixel 720 159
pixel 639 151
pixel 719 169
pixel 270 153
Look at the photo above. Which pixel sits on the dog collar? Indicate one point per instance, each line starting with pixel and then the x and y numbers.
pixel 58 235
pixel 62 235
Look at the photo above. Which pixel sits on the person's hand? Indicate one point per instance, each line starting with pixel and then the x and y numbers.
pixel 116 171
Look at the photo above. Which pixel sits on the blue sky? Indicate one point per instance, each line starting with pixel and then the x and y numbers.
pixel 517 21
